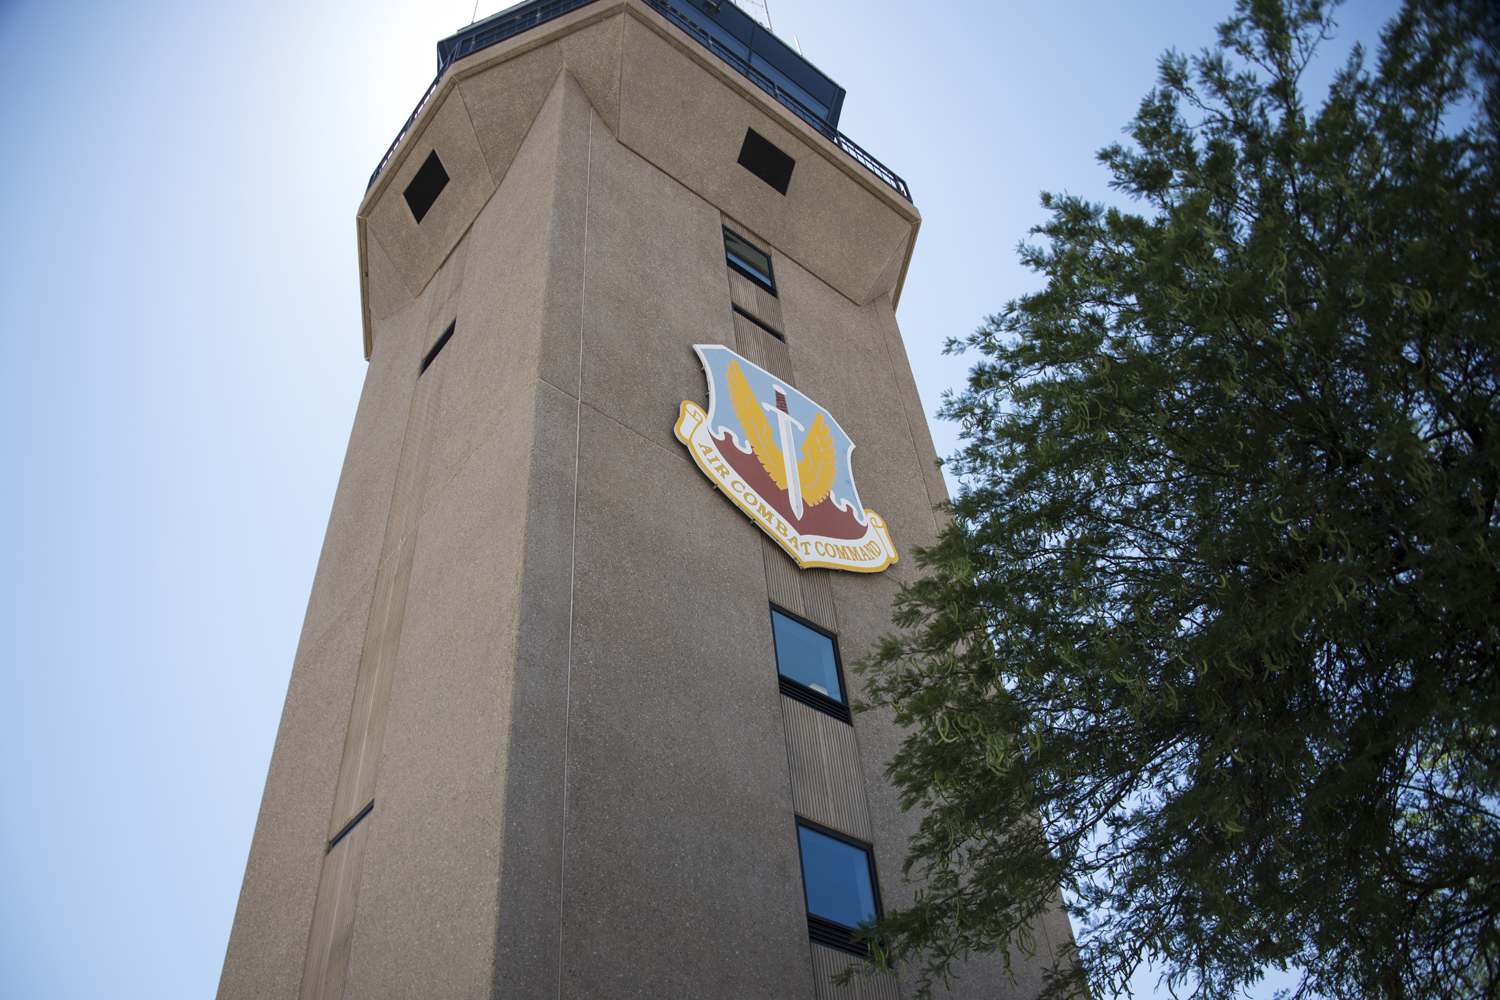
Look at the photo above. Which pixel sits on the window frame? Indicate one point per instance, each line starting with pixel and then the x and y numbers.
pixel 798 691
pixel 822 930
pixel 766 281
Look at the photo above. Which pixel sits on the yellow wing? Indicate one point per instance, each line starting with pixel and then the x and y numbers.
pixel 755 425
pixel 819 463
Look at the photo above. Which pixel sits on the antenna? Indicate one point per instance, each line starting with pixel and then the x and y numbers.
pixel 765 8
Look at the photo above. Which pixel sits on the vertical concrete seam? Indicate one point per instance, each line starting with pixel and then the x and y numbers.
pixel 862 790
pixel 458 88
pixel 830 792
pixel 562 854
pixel 885 337
pixel 325 964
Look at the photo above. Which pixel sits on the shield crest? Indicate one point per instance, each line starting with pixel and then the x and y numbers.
pixel 785 461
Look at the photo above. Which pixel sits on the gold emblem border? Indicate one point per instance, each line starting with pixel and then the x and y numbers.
pixel 809 551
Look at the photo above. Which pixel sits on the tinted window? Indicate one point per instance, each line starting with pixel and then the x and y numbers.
pixel 836 877
pixel 765 161
pixel 426 186
pixel 437 348
pixel 750 261
pixel 806 656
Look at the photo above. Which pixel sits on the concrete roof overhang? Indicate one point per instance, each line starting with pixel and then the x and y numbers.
pixel 669 100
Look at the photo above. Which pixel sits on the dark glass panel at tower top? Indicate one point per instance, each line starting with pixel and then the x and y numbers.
pixel 721 26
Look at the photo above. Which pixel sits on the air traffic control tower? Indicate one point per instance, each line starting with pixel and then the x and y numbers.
pixel 636 472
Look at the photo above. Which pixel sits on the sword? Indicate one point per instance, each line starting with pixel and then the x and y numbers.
pixel 785 423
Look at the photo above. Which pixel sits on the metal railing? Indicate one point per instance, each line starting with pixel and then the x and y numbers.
pixel 791 103
pixel 534 16
pixel 431 89
pixel 523 20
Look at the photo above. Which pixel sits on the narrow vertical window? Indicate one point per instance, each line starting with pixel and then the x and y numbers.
pixel 807 664
pixel 748 259
pixel 838 880
pixel 437 348
pixel 740 310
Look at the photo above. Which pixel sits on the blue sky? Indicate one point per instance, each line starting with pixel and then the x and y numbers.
pixel 179 319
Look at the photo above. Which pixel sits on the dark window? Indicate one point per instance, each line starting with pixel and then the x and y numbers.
pixel 437 348
pixel 753 263
pixel 760 323
pixel 426 186
pixel 765 161
pixel 838 880
pixel 807 664
pixel 350 825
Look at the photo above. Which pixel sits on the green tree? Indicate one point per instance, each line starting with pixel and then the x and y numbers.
pixel 1211 640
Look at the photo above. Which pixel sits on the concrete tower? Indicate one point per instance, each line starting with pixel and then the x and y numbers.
pixel 568 718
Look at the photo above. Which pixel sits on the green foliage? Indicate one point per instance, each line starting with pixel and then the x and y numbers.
pixel 1211 640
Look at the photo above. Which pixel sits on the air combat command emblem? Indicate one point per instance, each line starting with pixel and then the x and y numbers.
pixel 784 461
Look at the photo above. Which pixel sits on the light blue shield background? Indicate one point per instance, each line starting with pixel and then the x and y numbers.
pixel 716 359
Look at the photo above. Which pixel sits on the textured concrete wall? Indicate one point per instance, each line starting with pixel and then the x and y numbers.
pixel 585 779
pixel 666 98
